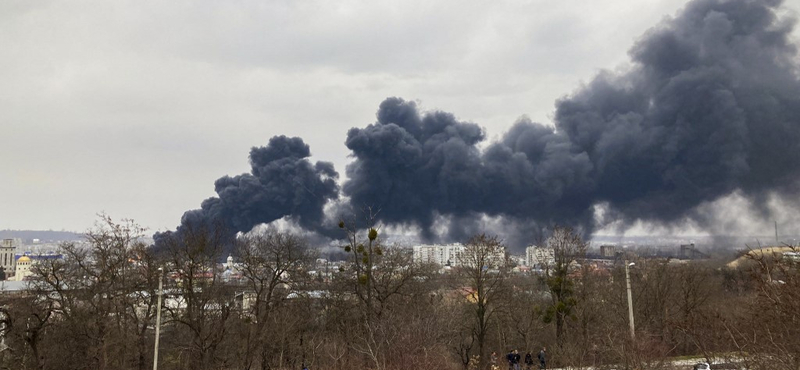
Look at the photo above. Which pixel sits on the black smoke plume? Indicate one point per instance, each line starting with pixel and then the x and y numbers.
pixel 283 182
pixel 710 105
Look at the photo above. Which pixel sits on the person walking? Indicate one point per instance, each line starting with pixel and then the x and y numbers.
pixel 510 359
pixel 493 361
pixel 528 361
pixel 515 360
pixel 543 358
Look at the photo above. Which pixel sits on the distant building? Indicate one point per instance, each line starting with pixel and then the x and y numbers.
pixel 517 260
pixel 449 255
pixel 24 263
pixel 791 256
pixel 8 249
pixel 231 271
pixel 229 263
pixel 23 269
pixel 608 251
pixel 13 287
pixel 442 255
pixel 539 257
pixel 689 252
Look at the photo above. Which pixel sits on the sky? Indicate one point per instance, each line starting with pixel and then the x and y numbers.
pixel 135 108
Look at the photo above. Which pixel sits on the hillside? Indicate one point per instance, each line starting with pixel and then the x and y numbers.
pixel 27 236
pixel 768 251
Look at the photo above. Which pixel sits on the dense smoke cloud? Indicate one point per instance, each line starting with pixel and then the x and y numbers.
pixel 414 167
pixel 709 106
pixel 283 182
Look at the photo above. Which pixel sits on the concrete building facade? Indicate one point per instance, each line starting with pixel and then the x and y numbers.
pixel 442 255
pixel 23 268
pixel 451 255
pixel 608 251
pixel 539 257
pixel 8 249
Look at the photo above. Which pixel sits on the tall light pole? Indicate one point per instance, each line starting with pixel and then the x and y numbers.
pixel 158 316
pixel 630 299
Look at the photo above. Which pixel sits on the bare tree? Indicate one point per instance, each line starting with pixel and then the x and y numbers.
pixel 26 323
pixel 102 294
pixel 772 333
pixel 382 279
pixel 202 304
pixel 272 265
pixel 482 267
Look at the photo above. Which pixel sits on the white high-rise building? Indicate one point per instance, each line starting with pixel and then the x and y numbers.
pixel 451 255
pixel 536 256
pixel 442 255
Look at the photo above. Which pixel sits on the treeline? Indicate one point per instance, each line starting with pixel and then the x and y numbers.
pixel 96 308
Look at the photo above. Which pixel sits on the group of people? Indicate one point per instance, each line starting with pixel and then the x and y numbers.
pixel 513 358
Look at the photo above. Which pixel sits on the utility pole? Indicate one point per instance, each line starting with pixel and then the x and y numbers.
pixel 630 300
pixel 158 316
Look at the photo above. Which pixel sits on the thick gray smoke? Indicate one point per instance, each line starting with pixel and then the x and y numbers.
pixel 415 167
pixel 283 183
pixel 712 105
pixel 709 106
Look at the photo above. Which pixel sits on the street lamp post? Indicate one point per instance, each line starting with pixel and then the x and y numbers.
pixel 158 316
pixel 630 299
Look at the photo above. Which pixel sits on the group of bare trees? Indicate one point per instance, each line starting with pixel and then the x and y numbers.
pixel 95 308
pixel 91 309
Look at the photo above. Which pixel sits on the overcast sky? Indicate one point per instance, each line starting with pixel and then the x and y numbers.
pixel 135 108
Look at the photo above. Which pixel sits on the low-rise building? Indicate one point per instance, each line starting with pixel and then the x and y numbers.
pixel 24 263
pixel 608 251
pixel 23 268
pixel 690 252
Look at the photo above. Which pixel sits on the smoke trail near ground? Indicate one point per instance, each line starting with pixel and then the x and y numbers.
pixel 709 106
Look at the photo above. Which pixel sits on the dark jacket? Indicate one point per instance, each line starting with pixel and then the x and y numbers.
pixel 528 359
pixel 542 357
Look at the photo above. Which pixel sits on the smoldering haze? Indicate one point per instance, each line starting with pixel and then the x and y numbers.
pixel 710 105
